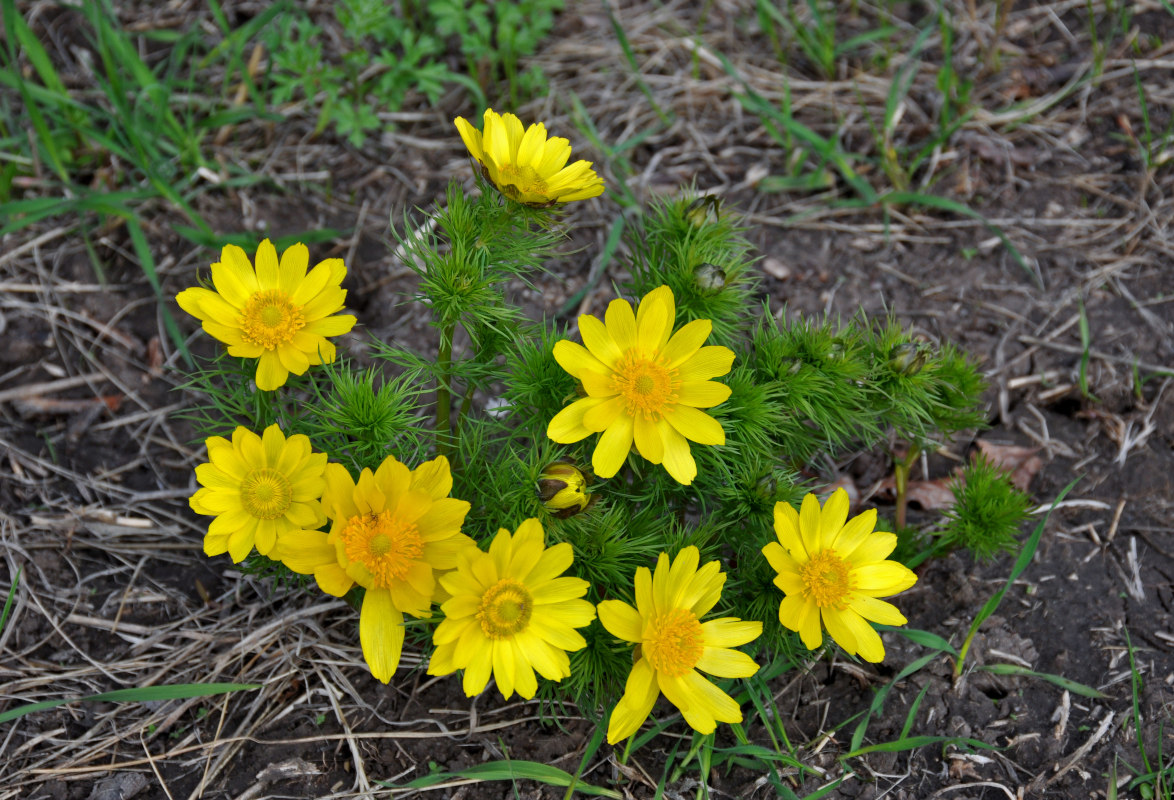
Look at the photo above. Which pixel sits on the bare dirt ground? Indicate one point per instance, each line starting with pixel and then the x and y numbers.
pixel 95 470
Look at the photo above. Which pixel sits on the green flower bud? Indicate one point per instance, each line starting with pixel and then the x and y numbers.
pixel 709 277
pixel 704 209
pixel 907 359
pixel 561 488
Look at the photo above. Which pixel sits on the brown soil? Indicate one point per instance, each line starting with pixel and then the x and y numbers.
pixel 95 469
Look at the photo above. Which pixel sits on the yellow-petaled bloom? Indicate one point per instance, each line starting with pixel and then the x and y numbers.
pixel 645 385
pixel 525 165
pixel 390 532
pixel 258 488
pixel 510 614
pixel 275 313
pixel 672 644
pixel 833 569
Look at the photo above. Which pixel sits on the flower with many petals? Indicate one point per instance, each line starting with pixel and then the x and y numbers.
pixel 258 488
pixel 510 614
pixel 645 385
pixel 391 530
pixel 833 569
pixel 673 644
pixel 525 165
pixel 275 313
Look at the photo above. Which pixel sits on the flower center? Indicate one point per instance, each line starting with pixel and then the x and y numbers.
pixel 673 643
pixel 517 181
pixel 505 609
pixel 383 544
pixel 271 319
pixel 266 493
pixel 826 579
pixel 646 384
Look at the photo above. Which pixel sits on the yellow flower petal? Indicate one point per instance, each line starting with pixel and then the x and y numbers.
pixel 381 632
pixel 614 446
pixel 640 693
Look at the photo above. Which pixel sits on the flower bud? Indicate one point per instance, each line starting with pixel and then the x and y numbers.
pixel 704 210
pixel 561 487
pixel 907 359
pixel 709 277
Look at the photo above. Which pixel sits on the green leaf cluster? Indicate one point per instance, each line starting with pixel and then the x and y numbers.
pixel 987 514
pixel 385 56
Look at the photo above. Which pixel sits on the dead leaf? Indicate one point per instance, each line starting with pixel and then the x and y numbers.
pixel 1021 462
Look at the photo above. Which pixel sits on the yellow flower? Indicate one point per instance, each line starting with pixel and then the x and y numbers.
pixel 834 569
pixel 643 386
pixel 275 313
pixel 526 166
pixel 510 614
pixel 258 488
pixel 389 532
pixel 673 643
pixel 562 490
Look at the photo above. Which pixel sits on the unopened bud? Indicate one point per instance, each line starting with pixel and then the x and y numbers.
pixel 709 277
pixel 907 359
pixel 562 489
pixel 704 210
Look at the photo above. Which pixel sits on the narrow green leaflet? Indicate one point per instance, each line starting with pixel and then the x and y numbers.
pixel 178 691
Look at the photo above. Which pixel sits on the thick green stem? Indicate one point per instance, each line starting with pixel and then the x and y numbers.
pixel 444 438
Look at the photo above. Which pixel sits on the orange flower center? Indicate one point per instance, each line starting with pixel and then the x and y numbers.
pixel 674 642
pixel 827 579
pixel 266 493
pixel 383 544
pixel 646 384
pixel 271 319
pixel 505 609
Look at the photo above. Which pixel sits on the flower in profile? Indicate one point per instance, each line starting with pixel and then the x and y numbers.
pixel 644 385
pixel 525 165
pixel 275 313
pixel 833 569
pixel 562 490
pixel 391 530
pixel 510 614
pixel 673 644
pixel 258 488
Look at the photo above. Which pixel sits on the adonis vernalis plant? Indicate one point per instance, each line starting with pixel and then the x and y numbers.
pixel 683 434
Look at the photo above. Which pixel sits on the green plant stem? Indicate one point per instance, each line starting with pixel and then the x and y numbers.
pixel 901 481
pixel 444 438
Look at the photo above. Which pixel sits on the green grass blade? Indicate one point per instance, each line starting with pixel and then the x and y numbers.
pixel 509 771
pixel 923 638
pixel 1021 563
pixel 914 742
pixel 1059 680
pixel 879 699
pixel 8 602
pixel 178 691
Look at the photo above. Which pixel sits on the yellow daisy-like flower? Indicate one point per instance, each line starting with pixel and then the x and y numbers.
pixel 833 569
pixel 276 313
pixel 673 643
pixel 390 531
pixel 525 165
pixel 644 384
pixel 258 488
pixel 510 614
